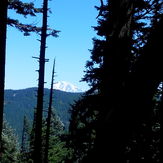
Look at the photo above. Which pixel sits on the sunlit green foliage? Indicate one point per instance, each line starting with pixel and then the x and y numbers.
pixel 10 145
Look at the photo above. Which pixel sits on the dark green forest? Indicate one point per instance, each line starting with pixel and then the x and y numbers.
pixel 21 103
pixel 118 120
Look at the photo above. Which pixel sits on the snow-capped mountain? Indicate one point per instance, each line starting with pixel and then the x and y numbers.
pixel 66 86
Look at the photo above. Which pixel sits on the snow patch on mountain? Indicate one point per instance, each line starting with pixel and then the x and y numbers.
pixel 66 86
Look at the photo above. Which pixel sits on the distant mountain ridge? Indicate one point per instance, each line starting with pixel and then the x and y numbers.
pixel 66 87
pixel 22 102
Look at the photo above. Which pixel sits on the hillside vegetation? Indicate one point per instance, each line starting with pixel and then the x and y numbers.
pixel 22 102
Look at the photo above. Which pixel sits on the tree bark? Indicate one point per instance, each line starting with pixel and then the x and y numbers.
pixel 49 118
pixel 3 33
pixel 40 93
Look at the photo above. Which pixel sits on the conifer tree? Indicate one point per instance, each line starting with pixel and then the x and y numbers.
pixel 40 94
pixel 37 155
pixel 120 75
pixel 25 143
pixel 57 150
pixel 20 8
pixel 10 151
pixel 82 129
pixel 47 137
pixel 3 32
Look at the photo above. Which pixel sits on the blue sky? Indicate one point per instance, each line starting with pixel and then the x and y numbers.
pixel 74 18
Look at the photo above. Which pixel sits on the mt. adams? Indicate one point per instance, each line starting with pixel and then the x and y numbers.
pixel 66 87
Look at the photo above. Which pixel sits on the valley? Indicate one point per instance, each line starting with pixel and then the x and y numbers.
pixel 20 103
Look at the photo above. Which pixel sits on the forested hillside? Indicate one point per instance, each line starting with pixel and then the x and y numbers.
pixel 20 103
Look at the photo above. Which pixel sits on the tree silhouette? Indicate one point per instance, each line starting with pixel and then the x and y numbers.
pixel 20 8
pixel 82 129
pixel 3 32
pixel 40 94
pixel 49 117
pixel 120 73
pixel 113 57
pixel 25 144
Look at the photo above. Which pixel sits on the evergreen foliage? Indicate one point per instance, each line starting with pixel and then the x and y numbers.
pixel 57 150
pixel 25 144
pixel 83 124
pixel 25 9
pixel 22 102
pixel 20 8
pixel 122 78
pixel 10 150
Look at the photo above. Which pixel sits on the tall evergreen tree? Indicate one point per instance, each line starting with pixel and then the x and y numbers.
pixel 20 8
pixel 3 32
pixel 10 145
pixel 112 54
pixel 25 144
pixel 49 117
pixel 37 157
pixel 57 150
pixel 120 75
pixel 40 94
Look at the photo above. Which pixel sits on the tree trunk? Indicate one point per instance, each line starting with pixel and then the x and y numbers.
pixel 39 109
pixel 49 118
pixel 111 130
pixel 3 32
